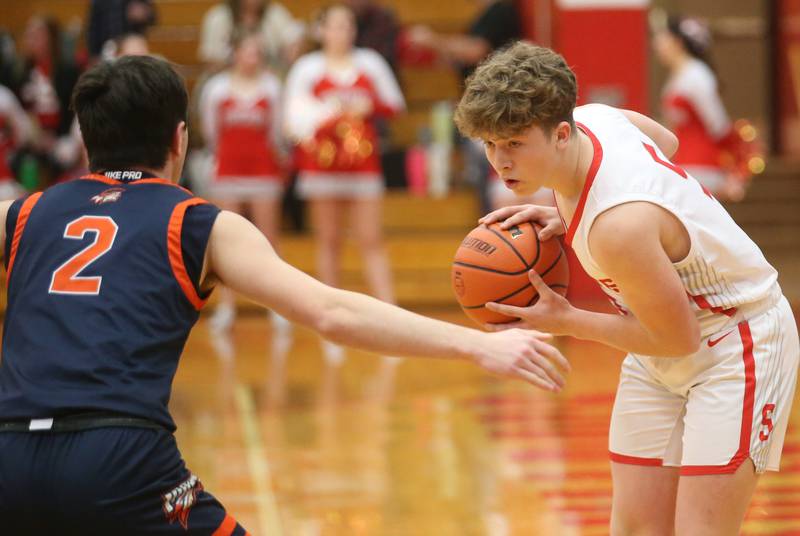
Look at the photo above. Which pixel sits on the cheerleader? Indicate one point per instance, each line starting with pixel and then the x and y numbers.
pixel 692 106
pixel 333 96
pixel 239 110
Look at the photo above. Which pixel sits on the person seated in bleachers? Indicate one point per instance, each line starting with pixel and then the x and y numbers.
pixel 110 19
pixel 281 34
pixel 43 81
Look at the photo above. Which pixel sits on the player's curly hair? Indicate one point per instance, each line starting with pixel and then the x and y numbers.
pixel 515 88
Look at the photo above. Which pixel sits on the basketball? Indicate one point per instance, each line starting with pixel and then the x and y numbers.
pixel 491 265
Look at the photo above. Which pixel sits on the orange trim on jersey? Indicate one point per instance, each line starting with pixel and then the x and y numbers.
pixel 175 251
pixel 702 303
pixel 22 220
pixel 746 429
pixel 596 160
pixel 634 460
pixel 225 528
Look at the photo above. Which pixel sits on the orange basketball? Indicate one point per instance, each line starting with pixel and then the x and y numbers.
pixel 492 264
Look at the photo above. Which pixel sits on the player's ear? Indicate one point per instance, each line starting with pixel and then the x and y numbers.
pixel 563 132
pixel 180 139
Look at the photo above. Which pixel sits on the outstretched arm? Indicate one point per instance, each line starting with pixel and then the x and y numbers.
pixel 661 135
pixel 239 256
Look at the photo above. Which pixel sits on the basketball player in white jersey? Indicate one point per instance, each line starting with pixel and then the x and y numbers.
pixel 707 386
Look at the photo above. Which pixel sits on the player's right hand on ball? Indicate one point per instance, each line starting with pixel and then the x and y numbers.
pixel 546 217
pixel 526 355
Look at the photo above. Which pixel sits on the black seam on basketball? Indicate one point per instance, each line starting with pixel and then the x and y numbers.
pixel 476 267
pixel 498 300
pixel 538 247
pixel 509 244
pixel 547 270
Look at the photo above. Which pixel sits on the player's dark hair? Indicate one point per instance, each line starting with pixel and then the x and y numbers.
pixel 128 111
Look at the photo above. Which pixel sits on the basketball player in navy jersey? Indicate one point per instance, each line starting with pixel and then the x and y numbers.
pixel 106 277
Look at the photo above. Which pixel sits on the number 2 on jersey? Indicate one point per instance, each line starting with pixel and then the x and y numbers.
pixel 65 279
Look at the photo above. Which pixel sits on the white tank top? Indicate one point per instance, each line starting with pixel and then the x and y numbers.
pixel 725 275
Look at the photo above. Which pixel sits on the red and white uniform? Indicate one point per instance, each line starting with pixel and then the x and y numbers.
pixel 243 132
pixel 14 128
pixel 693 109
pixel 339 156
pixel 709 411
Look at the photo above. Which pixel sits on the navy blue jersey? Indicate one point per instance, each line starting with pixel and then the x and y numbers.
pixel 103 289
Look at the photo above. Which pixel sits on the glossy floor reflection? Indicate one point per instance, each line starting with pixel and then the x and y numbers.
pixel 295 444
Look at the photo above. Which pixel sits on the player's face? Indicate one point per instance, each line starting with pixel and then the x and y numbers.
pixel 524 162
pixel 338 30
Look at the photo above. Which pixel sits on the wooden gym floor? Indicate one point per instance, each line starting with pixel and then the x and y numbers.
pixel 373 447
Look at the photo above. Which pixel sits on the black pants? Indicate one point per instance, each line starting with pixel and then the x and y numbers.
pixel 109 481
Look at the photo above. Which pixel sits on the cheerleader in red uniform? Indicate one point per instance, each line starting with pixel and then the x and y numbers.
pixel 693 109
pixel 240 110
pixel 332 97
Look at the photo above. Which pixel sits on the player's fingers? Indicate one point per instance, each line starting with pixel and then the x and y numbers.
pixel 554 355
pixel 538 283
pixel 549 231
pixel 503 309
pixel 540 335
pixel 538 381
pixel 541 366
pixel 531 213
pixel 500 214
pixel 505 326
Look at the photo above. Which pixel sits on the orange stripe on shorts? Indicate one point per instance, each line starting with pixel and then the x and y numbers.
pixel 226 528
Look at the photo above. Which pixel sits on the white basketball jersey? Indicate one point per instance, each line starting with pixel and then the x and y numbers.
pixel 725 275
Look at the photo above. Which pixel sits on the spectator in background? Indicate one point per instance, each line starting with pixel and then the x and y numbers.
pixel 109 19
pixel 8 58
pixel 496 25
pixel 14 131
pixel 44 81
pixel 240 117
pixel 376 28
pixel 332 97
pixel 692 106
pixel 281 34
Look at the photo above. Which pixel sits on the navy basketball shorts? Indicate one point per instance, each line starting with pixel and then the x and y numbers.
pixel 114 480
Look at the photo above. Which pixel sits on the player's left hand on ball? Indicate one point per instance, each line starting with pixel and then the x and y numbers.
pixel 524 355
pixel 550 312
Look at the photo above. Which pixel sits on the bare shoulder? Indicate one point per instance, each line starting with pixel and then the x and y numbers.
pixel 624 230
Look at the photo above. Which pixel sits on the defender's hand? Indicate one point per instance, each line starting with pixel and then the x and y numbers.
pixel 545 217
pixel 525 355
pixel 550 313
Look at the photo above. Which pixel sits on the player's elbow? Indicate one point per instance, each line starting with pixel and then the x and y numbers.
pixel 671 144
pixel 332 322
pixel 684 342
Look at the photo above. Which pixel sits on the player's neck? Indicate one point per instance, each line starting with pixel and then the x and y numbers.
pixel 577 162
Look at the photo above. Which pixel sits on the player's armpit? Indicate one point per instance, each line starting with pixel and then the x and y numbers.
pixel 661 135
pixel 628 243
pixel 4 206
